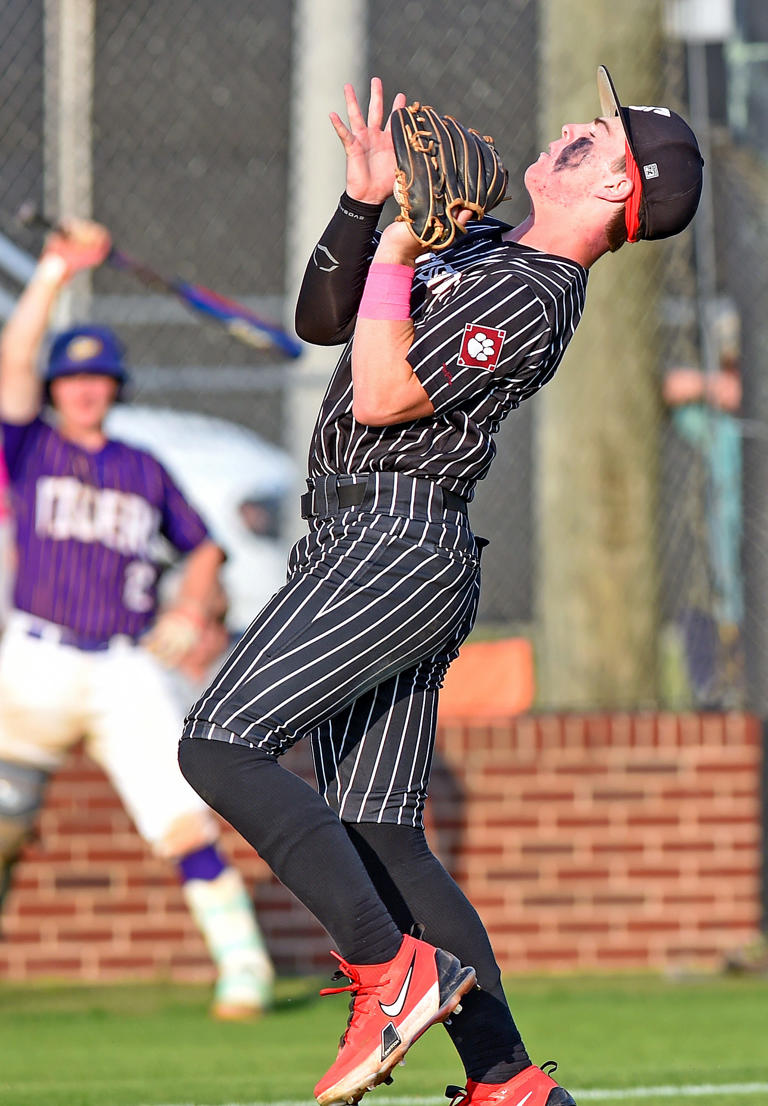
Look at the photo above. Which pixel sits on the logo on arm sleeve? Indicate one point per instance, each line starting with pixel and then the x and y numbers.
pixel 480 347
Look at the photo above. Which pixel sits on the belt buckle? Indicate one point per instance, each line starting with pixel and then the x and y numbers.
pixel 43 631
pixel 306 503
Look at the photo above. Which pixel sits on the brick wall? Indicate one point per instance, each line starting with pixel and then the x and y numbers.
pixel 610 841
pixel 585 842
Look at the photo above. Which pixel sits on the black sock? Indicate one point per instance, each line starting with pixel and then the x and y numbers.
pixel 419 892
pixel 300 838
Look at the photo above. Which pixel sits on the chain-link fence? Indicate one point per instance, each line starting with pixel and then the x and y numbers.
pixel 183 146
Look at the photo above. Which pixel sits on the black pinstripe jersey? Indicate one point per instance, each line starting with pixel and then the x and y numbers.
pixel 492 320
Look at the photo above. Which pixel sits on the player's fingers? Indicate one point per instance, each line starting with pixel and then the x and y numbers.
pixel 354 114
pixel 84 234
pixel 85 229
pixel 338 125
pixel 97 239
pixel 72 230
pixel 398 102
pixel 376 104
pixel 346 136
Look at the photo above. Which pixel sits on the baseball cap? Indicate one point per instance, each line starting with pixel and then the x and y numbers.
pixel 86 349
pixel 665 161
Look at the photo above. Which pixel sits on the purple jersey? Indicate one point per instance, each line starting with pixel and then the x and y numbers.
pixel 89 529
pixel 5 501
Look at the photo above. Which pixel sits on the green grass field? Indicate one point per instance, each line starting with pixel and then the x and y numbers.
pixel 628 1039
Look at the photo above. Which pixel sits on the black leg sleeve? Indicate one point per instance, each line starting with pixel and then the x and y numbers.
pixel 419 892
pixel 300 838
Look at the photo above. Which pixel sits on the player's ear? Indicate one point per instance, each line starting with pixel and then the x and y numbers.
pixel 616 189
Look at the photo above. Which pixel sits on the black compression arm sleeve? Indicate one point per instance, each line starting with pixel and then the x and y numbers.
pixel 335 276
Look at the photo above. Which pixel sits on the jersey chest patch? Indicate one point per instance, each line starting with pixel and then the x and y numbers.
pixel 481 347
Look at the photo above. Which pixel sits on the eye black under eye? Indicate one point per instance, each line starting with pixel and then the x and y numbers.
pixel 573 154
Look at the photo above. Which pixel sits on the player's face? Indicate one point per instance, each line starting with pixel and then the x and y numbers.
pixel 83 399
pixel 580 160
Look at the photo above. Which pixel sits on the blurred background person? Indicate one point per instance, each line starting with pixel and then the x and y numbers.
pixel 705 408
pixel 6 544
pixel 86 652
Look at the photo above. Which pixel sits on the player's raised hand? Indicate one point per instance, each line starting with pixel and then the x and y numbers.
pixel 368 145
pixel 78 244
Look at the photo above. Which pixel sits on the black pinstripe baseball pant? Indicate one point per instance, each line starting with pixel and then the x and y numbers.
pixel 353 650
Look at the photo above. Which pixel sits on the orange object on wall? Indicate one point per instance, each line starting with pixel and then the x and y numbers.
pixel 490 679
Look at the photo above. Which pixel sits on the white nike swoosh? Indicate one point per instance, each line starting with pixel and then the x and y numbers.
pixel 393 1009
pixel 524 1100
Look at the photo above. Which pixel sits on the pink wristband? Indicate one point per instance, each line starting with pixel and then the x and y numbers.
pixel 387 292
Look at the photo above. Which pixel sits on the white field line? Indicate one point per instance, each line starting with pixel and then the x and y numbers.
pixel 691 1090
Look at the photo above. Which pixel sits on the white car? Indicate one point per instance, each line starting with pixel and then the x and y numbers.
pixel 235 479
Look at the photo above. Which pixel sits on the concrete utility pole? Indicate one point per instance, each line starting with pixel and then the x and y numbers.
pixel 68 100
pixel 598 421
pixel 330 49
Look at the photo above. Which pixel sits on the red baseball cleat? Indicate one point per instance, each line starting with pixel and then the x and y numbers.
pixel 393 1004
pixel 532 1087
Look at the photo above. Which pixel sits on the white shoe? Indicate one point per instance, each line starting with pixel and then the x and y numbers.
pixel 243 994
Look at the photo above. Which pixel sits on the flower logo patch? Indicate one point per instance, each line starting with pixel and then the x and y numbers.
pixel 481 347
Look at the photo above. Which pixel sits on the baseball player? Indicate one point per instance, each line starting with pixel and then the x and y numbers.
pixel 383 589
pixel 85 653
pixel 6 557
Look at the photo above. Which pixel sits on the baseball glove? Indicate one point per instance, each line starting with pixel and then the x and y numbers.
pixel 443 168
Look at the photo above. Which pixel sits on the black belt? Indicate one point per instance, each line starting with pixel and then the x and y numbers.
pixel 352 495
